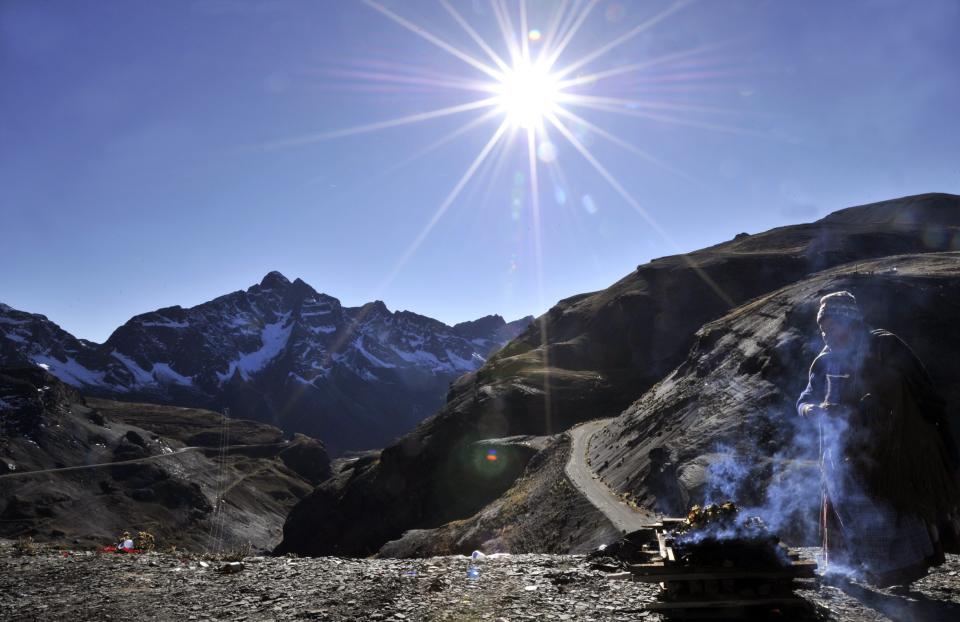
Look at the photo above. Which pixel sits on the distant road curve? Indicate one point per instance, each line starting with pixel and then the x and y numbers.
pixel 134 460
pixel 621 515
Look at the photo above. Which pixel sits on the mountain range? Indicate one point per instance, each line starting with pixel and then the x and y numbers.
pixel 692 360
pixel 279 352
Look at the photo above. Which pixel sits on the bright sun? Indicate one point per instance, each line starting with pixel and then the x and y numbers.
pixel 528 90
pixel 528 93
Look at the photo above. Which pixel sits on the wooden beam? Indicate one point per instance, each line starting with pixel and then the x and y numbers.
pixel 724 604
pixel 803 565
pixel 672 572
pixel 704 576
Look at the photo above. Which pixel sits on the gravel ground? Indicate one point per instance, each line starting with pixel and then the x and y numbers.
pixel 53 585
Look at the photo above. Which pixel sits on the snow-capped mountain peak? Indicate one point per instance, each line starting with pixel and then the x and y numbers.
pixel 278 351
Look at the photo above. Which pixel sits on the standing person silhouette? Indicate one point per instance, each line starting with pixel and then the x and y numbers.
pixel 888 461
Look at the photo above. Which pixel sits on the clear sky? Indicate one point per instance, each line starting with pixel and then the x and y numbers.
pixel 161 153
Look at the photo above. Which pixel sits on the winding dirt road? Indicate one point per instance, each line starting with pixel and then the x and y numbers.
pixel 101 465
pixel 98 465
pixel 623 517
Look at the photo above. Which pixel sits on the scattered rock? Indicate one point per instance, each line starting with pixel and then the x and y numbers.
pixel 232 567
pixel 520 587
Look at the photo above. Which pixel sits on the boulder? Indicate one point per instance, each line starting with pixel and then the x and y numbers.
pixel 307 457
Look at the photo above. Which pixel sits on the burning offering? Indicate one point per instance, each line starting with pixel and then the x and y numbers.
pixel 718 560
pixel 713 514
pixel 720 535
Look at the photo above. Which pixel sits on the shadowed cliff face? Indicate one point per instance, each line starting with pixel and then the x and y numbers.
pixel 591 356
pixel 727 415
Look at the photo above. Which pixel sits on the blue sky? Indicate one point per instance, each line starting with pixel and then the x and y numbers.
pixel 159 153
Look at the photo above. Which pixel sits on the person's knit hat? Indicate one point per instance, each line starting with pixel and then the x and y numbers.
pixel 839 305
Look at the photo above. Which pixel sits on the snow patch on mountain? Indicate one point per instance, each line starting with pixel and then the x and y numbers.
pixel 321 309
pixel 419 357
pixel 298 378
pixel 239 321
pixel 16 337
pixel 462 364
pixel 159 373
pixel 162 371
pixel 273 340
pixel 166 324
pixel 358 344
pixel 140 375
pixel 69 371
pixel 325 329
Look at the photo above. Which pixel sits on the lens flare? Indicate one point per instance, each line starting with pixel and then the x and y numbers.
pixel 547 152
pixel 589 205
pixel 560 195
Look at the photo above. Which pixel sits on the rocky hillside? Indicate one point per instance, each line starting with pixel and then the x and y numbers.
pixel 279 352
pixel 727 415
pixel 75 470
pixel 592 356
pixel 541 513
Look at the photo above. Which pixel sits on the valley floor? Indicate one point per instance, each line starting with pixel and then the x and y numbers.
pixel 52 585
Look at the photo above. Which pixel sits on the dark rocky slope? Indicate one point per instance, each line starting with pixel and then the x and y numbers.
pixel 727 414
pixel 75 469
pixel 541 513
pixel 591 356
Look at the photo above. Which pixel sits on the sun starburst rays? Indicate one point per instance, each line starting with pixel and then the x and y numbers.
pixel 553 55
pixel 389 123
pixel 437 41
pixel 472 33
pixel 447 202
pixel 524 85
pixel 533 94
pixel 630 34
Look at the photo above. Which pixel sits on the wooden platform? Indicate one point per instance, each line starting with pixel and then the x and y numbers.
pixel 718 591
